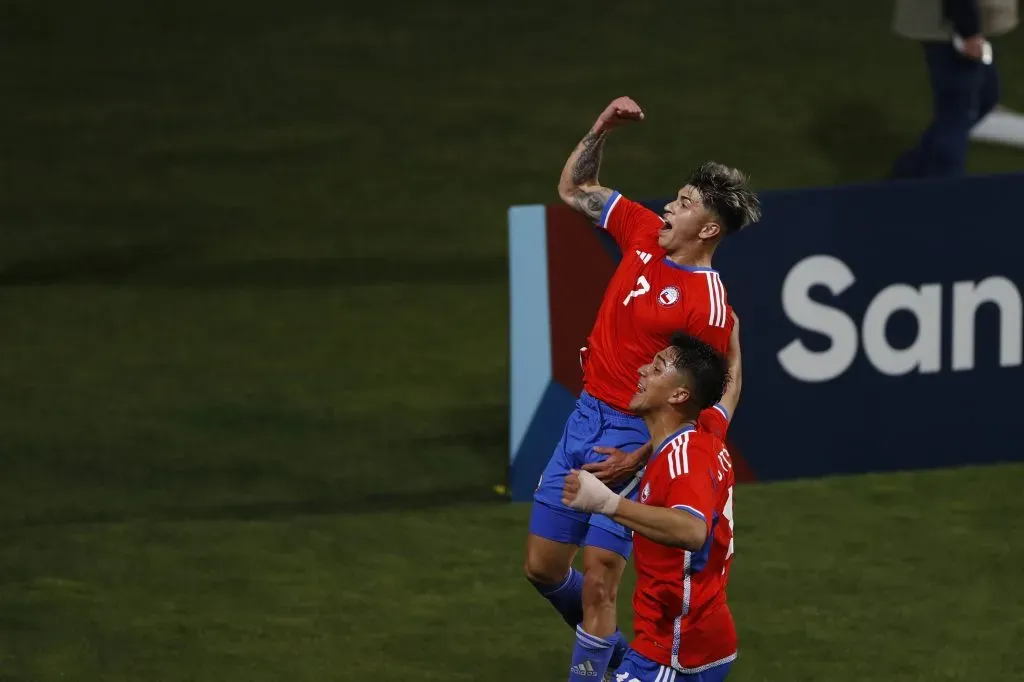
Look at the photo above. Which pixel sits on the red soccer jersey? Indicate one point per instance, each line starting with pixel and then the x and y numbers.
pixel 714 420
pixel 680 616
pixel 647 299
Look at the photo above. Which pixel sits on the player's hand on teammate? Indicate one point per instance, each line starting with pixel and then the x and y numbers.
pixel 583 492
pixel 621 110
pixel 618 466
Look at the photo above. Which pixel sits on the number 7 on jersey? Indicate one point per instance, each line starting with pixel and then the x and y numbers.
pixel 642 287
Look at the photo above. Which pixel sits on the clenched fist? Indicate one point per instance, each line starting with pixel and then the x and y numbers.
pixel 583 492
pixel 621 110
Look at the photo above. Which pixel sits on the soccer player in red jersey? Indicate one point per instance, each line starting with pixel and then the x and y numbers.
pixel 682 523
pixel 663 283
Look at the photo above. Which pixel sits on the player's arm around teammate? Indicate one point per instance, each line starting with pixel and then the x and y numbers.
pixel 666 526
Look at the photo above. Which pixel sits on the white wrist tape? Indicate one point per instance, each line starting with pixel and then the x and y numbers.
pixel 595 496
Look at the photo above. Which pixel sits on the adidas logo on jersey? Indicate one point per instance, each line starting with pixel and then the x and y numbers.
pixel 644 256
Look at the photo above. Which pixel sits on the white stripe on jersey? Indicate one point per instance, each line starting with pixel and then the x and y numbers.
pixel 686 445
pixel 716 299
pixel 722 312
pixel 677 625
pixel 678 459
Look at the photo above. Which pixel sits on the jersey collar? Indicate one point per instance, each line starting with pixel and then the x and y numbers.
pixel 688 427
pixel 687 268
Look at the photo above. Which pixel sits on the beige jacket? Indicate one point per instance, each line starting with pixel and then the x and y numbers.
pixel 923 20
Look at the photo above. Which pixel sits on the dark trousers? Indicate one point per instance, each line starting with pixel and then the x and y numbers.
pixel 963 92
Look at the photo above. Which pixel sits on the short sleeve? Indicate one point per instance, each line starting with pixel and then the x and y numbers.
pixel 693 493
pixel 714 420
pixel 627 221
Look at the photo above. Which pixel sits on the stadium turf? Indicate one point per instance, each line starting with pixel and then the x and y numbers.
pixel 254 348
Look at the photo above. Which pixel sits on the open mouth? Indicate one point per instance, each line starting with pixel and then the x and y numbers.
pixel 640 387
pixel 665 225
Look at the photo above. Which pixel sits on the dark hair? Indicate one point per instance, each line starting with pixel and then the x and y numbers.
pixel 726 193
pixel 707 369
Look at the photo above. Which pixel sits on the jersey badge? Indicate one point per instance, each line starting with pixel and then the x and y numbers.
pixel 668 296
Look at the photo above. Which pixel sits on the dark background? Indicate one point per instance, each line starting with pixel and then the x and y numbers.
pixel 253 359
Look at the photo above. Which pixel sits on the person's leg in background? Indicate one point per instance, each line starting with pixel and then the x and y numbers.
pixel 989 93
pixel 963 91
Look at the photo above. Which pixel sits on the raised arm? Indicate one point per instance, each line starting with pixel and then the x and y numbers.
pixel 578 186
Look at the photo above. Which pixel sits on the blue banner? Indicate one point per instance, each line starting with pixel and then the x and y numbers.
pixel 881 328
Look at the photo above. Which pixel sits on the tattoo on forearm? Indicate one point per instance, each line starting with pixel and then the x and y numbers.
pixel 589 160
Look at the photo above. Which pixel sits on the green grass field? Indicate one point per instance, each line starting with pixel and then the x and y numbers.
pixel 254 350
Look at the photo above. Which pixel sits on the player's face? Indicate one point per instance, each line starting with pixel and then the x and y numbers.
pixel 659 384
pixel 686 221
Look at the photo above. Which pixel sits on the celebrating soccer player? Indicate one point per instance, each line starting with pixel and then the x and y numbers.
pixel 664 283
pixel 683 521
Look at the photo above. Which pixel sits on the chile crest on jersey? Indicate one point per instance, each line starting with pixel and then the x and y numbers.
pixel 668 296
pixel 653 292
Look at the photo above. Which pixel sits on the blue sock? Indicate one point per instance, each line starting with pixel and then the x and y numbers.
pixel 566 597
pixel 589 657
pixel 619 648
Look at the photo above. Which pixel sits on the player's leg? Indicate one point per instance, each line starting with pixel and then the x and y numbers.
pixel 606 548
pixel 604 561
pixel 600 644
pixel 551 546
pixel 598 638
pixel 556 531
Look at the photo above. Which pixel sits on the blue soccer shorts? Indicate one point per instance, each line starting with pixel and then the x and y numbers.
pixel 593 423
pixel 637 668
